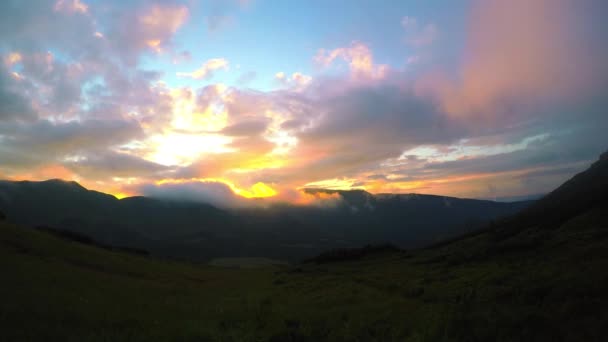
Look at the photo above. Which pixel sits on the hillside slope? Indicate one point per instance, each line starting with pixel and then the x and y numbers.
pixel 538 283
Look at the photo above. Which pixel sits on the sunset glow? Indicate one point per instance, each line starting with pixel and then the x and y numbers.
pixel 268 98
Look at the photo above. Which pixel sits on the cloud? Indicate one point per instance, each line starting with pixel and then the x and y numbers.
pixel 419 35
pixel 71 6
pixel 212 192
pixel 297 81
pixel 207 69
pixel 43 142
pixel 158 23
pixel 216 192
pixel 246 78
pixel 363 126
pixel 245 128
pixel 359 58
pixel 14 105
pixel 523 53
pixel 110 164
pixel 220 13
pixel 280 76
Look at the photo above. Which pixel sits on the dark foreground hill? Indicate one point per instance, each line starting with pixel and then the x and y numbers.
pixel 197 231
pixel 542 278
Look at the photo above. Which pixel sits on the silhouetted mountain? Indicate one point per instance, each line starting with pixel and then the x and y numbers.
pixel 583 192
pixel 135 221
pixel 200 231
pixel 412 220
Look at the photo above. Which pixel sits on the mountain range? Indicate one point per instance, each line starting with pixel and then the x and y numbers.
pixel 199 231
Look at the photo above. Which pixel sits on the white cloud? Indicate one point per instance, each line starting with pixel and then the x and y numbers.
pixel 207 69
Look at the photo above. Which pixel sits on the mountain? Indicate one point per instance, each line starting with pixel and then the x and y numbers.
pixel 540 275
pixel 198 231
pixel 581 193
pixel 407 220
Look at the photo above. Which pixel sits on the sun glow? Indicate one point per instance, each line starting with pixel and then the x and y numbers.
pixel 120 195
pixel 193 130
pixel 257 190
pixel 335 184
pixel 189 116
pixel 183 149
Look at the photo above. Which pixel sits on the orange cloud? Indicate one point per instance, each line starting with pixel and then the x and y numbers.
pixel 12 58
pixel 207 69
pixel 302 197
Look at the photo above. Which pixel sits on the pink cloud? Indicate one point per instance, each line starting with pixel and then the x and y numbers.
pixel 161 22
pixel 146 28
pixel 297 81
pixel 359 58
pixel 519 51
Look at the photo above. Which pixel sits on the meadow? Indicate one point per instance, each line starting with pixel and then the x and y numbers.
pixel 536 285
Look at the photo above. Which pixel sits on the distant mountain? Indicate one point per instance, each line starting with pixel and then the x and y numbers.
pixel 412 220
pixel 135 221
pixel 531 197
pixel 199 231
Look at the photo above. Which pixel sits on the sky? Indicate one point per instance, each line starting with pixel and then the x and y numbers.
pixel 223 100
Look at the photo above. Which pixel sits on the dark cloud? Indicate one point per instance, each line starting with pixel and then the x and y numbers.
pixel 44 141
pixel 384 115
pixel 106 164
pixel 13 104
pixel 35 26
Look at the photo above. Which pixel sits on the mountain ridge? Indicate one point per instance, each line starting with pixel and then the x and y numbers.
pixel 200 231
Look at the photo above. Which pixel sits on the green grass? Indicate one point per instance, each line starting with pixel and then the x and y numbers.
pixel 537 285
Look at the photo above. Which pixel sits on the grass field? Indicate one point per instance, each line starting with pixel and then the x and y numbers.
pixel 538 285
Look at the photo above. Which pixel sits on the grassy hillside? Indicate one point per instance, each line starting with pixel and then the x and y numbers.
pixel 537 284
